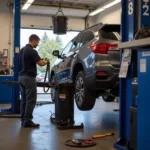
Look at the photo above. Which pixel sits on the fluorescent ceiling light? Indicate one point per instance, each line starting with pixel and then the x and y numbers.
pixel 104 7
pixel 112 4
pixel 27 4
pixel 96 11
pixel 30 1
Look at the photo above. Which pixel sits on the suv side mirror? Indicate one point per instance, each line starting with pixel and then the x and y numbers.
pixel 56 53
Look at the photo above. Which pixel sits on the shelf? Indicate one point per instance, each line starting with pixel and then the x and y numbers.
pixel 135 44
pixel 3 57
pixel 3 65
pixel 4 75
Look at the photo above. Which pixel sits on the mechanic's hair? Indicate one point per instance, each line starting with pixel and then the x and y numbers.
pixel 33 37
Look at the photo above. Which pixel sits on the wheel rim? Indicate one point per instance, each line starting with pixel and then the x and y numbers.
pixel 79 91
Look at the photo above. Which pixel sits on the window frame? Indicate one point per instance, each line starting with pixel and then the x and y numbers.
pixel 78 37
pixel 66 47
pixel 89 40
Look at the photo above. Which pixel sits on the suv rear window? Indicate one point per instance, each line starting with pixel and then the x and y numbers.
pixel 111 32
pixel 110 35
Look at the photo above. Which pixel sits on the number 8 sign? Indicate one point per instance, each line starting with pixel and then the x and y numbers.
pixel 130 8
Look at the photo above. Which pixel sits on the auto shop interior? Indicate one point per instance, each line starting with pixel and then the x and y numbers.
pixel 86 85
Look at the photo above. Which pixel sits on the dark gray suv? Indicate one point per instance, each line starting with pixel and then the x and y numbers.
pixel 91 61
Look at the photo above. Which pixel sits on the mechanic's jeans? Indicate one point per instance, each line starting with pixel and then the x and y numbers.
pixel 28 96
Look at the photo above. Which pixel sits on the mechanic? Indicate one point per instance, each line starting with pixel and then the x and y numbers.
pixel 28 59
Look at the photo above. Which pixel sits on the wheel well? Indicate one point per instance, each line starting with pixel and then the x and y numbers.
pixel 78 67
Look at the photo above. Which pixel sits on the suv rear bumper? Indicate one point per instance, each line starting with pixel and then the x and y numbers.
pixel 96 82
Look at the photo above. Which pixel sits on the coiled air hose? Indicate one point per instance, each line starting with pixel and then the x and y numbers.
pixel 47 74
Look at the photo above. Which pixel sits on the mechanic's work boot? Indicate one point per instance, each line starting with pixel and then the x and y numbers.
pixel 30 124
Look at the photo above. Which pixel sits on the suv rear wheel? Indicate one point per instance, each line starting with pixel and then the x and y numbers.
pixel 85 99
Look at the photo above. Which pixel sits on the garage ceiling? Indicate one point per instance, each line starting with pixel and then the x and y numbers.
pixel 71 8
pixel 84 4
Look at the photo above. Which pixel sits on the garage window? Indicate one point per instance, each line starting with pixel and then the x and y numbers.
pixel 47 35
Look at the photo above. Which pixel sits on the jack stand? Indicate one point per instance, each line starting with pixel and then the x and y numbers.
pixel 64 107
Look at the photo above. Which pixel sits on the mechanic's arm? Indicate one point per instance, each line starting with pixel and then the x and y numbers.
pixel 42 62
pixel 37 59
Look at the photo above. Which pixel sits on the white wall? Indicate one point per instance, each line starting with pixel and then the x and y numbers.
pixel 4 29
pixel 92 20
pixel 110 16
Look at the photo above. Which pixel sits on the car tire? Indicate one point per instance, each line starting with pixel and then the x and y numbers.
pixel 85 99
pixel 53 90
pixel 108 98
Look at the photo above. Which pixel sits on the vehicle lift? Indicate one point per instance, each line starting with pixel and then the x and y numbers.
pixel 64 99
pixel 134 127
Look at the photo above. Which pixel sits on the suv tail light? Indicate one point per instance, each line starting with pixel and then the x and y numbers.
pixel 103 48
pixel 103 73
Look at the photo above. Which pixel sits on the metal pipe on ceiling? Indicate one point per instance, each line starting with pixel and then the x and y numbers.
pixel 76 2
pixel 64 3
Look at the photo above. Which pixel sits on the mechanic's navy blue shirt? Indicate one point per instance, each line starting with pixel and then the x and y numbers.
pixel 28 57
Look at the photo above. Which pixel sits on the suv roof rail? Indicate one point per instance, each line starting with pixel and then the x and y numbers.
pixel 94 25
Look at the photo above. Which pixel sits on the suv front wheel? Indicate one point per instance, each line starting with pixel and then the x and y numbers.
pixel 85 99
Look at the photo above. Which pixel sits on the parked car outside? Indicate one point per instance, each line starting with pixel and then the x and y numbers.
pixel 40 77
pixel 91 61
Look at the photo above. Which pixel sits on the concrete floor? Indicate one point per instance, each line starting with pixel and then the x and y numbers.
pixel 102 119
